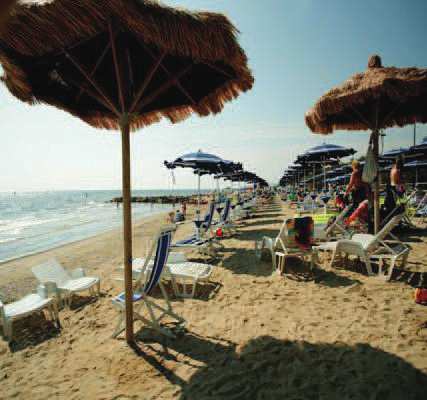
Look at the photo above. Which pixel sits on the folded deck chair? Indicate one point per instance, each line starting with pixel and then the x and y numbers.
pixel 401 206
pixel 336 228
pixel 284 245
pixel 66 284
pixel 144 286
pixel 30 304
pixel 373 248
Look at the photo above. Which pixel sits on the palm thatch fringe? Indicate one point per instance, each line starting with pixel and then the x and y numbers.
pixel 384 86
pixel 42 28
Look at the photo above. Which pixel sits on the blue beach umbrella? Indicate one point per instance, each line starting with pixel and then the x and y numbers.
pixel 416 164
pixel 201 163
pixel 391 154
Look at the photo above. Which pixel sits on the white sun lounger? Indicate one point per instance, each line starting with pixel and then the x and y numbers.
pixel 66 284
pixel 279 249
pixel 372 248
pixel 144 285
pixel 30 304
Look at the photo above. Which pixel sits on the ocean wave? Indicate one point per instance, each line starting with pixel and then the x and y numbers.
pixel 18 225
pixel 11 239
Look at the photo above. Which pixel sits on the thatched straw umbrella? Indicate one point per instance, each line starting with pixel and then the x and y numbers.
pixel 5 9
pixel 373 100
pixel 122 64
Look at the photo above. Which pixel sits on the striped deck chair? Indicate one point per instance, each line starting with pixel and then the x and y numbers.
pixel 225 220
pixel 201 241
pixel 208 217
pixel 145 285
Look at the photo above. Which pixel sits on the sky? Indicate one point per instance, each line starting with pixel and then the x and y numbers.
pixel 297 50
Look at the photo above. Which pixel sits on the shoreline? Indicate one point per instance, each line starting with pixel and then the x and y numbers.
pixel 17 280
pixel 92 235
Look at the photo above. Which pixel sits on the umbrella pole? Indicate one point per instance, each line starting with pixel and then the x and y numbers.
pixel 127 226
pixel 376 184
pixel 304 182
pixel 314 179
pixel 324 177
pixel 198 196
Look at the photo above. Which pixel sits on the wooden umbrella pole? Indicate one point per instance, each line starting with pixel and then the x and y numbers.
pixel 127 225
pixel 375 138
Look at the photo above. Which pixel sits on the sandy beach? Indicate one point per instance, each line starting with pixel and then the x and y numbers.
pixel 251 334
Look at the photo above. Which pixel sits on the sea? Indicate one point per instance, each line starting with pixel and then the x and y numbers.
pixel 31 222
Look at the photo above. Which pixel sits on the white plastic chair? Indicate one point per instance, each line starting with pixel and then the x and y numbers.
pixel 66 284
pixel 372 248
pixel 280 248
pixel 30 304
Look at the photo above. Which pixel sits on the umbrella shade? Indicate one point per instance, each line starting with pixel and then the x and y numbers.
pixel 395 153
pixel 378 98
pixel 416 164
pixel 327 151
pixel 197 160
pixel 419 150
pixel 373 100
pixel 175 62
pixel 122 64
pixel 5 8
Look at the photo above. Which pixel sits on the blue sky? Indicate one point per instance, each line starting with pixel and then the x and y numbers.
pixel 297 50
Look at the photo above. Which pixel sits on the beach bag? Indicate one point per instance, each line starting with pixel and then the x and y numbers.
pixel 370 169
pixel 421 296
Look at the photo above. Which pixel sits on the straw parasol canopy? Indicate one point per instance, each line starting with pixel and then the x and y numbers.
pixel 122 64
pixel 379 98
pixel 5 9
pixel 171 62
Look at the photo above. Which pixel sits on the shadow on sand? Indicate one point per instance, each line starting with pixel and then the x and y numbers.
pixel 269 368
pixel 32 331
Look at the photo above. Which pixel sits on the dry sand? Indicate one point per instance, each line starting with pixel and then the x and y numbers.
pixel 250 333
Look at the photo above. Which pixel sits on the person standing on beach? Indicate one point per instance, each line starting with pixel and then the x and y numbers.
pixel 356 187
pixel 396 181
pixel 184 208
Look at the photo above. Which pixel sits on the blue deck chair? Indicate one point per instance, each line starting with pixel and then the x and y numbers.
pixel 145 284
pixel 225 220
pixel 208 217
pixel 201 242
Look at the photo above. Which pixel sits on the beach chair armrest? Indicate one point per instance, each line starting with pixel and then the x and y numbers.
pixel 78 273
pixel 47 289
pixel 2 314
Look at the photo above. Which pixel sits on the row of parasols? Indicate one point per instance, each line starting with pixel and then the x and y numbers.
pixel 209 164
pixel 328 156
